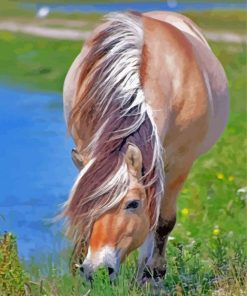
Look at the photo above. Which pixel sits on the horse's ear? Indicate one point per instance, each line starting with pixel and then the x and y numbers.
pixel 133 157
pixel 77 159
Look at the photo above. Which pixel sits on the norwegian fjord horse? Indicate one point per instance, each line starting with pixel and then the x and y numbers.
pixel 143 100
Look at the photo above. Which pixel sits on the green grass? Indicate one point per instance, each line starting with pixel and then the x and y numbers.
pixel 35 62
pixel 218 20
pixel 209 251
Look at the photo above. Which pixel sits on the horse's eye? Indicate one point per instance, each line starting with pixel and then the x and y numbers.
pixel 134 204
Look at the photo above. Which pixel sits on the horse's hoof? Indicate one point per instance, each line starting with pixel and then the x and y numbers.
pixel 155 285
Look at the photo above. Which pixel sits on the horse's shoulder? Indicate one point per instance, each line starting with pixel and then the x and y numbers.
pixel 165 36
pixel 180 22
pixel 175 73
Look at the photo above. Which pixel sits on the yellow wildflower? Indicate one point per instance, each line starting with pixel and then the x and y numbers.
pixel 185 212
pixel 7 36
pixel 185 190
pixel 220 176
pixel 216 231
pixel 231 178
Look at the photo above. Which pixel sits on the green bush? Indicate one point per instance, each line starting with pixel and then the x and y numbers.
pixel 12 275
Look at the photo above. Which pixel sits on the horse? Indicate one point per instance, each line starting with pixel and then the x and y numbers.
pixel 143 100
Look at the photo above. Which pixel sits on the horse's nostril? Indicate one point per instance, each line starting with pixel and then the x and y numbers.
pixel 82 269
pixel 110 270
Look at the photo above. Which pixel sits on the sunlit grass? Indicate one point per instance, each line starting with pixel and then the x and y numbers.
pixel 35 62
pixel 192 270
pixel 219 20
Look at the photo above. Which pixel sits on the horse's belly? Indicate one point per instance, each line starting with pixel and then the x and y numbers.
pixel 216 88
pixel 219 110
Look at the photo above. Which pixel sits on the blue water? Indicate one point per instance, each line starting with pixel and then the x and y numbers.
pixel 36 172
pixel 145 6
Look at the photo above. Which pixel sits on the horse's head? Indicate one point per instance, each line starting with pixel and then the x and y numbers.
pixel 122 229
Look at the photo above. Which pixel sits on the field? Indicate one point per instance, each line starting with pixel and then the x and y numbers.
pixel 207 253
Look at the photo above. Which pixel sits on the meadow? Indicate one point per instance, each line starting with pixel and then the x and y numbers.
pixel 207 252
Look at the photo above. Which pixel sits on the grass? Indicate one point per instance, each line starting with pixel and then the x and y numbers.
pixel 217 20
pixel 42 63
pixel 221 270
pixel 208 253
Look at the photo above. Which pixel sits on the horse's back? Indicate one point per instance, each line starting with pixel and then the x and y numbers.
pixel 182 80
pixel 191 88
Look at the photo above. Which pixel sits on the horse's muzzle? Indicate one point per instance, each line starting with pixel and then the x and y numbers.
pixel 88 274
pixel 106 257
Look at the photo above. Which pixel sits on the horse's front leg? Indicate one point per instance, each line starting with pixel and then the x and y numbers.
pixel 156 268
pixel 152 260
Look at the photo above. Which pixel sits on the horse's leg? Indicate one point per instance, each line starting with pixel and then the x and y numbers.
pixel 156 268
pixel 155 265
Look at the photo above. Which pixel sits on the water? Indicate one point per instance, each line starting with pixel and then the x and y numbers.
pixel 36 171
pixel 145 6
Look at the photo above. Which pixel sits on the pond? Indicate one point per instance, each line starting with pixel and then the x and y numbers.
pixel 36 170
pixel 172 5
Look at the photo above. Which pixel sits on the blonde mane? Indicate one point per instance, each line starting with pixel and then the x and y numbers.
pixel 110 105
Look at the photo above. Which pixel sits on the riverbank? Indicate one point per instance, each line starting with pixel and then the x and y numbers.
pixel 73 34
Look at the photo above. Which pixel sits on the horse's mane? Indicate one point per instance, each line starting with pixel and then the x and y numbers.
pixel 110 105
